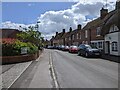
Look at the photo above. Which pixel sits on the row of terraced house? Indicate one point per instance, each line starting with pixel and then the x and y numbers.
pixel 103 32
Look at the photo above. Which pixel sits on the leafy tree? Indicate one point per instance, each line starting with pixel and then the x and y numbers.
pixel 31 35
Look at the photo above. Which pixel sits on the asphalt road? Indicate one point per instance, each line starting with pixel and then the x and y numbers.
pixel 78 72
pixel 71 71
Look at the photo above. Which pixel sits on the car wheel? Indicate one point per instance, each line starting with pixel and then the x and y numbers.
pixel 86 54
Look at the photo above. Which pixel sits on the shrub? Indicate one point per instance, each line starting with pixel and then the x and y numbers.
pixel 14 48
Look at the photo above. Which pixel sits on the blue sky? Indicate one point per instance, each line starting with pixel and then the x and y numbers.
pixel 27 12
pixel 53 16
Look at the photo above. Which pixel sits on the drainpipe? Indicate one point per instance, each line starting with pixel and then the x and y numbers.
pixel 90 35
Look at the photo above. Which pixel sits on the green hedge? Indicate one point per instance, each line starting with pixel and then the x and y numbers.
pixel 11 49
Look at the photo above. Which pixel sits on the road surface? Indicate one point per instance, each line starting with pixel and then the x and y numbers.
pixel 78 72
pixel 71 71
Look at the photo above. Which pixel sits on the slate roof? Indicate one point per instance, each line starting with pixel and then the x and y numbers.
pixel 58 36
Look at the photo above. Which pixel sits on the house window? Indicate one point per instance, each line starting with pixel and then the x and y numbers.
pixel 69 38
pixel 114 46
pixel 65 39
pixel 80 35
pixel 86 34
pixel 113 28
pixel 98 31
pixel 73 37
pixel 77 36
pixel 100 45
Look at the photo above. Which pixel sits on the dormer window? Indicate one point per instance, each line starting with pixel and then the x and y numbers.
pixel 113 28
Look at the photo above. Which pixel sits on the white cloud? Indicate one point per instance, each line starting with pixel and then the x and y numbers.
pixel 52 21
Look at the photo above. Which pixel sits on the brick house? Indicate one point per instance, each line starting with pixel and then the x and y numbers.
pixel 57 39
pixel 9 33
pixel 91 32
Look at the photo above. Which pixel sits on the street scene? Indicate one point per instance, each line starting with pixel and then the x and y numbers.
pixel 70 44
pixel 71 71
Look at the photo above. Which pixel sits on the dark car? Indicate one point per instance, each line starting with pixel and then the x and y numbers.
pixel 73 49
pixel 88 50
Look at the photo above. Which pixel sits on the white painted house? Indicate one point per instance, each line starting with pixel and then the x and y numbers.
pixel 111 33
pixel 112 43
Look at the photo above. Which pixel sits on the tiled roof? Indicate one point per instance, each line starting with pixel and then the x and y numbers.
pixel 94 23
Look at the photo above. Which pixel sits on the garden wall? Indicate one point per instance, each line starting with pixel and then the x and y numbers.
pixel 21 58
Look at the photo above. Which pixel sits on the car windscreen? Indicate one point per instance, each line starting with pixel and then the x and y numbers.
pixel 91 46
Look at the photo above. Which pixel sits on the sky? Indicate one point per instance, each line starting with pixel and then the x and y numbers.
pixel 53 16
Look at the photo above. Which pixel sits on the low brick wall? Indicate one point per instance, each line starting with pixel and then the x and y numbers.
pixel 21 58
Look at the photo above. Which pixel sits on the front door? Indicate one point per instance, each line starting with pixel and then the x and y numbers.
pixel 107 47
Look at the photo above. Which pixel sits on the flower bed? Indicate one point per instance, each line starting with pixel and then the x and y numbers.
pixel 14 50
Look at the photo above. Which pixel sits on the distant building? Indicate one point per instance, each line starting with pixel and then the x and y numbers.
pixel 9 33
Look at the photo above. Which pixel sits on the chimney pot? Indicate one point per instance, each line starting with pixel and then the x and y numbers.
pixel 103 13
pixel 52 36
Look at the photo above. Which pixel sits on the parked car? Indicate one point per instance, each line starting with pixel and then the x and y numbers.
pixel 50 47
pixel 73 49
pixel 66 48
pixel 88 50
pixel 62 47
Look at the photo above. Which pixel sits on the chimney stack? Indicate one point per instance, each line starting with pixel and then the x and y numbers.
pixel 56 33
pixel 63 30
pixel 118 5
pixel 52 36
pixel 79 26
pixel 103 13
pixel 70 30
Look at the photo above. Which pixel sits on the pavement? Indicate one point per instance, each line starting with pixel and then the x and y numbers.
pixel 25 75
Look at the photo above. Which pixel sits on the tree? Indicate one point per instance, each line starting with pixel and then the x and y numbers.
pixel 31 35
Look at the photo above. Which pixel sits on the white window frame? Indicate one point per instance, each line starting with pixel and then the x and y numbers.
pixel 86 34
pixel 80 35
pixel 114 46
pixel 98 31
pixel 113 28
pixel 69 38
pixel 73 37
pixel 77 35
pixel 100 45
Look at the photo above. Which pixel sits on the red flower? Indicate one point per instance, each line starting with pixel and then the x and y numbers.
pixel 7 40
